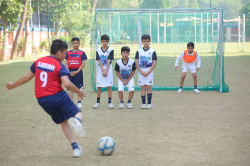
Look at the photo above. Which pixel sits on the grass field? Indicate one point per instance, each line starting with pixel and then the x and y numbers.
pixel 182 129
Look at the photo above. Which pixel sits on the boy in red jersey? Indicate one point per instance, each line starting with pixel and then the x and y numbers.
pixel 49 74
pixel 189 57
pixel 74 62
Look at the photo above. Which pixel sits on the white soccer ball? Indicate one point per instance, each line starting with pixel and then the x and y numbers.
pixel 106 145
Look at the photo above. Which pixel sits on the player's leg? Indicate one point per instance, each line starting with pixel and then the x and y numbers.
pixel 110 105
pixel 183 76
pixel 130 96
pixel 70 136
pixel 149 96
pixel 195 83
pixel 143 96
pixel 97 104
pixel 120 93
pixel 79 102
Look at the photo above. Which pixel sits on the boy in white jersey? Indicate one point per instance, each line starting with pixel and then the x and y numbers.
pixel 145 60
pixel 104 57
pixel 189 57
pixel 125 70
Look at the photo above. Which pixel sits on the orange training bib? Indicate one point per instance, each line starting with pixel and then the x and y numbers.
pixel 189 58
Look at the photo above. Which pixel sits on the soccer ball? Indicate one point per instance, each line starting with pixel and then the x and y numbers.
pixel 106 145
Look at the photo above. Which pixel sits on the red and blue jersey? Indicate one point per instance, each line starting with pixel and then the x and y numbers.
pixel 48 72
pixel 75 58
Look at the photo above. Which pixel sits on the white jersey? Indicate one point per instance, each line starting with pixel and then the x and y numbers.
pixel 125 70
pixel 198 59
pixel 104 55
pixel 146 58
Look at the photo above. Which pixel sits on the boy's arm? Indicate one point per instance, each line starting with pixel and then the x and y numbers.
pixel 131 75
pixel 66 64
pixel 119 76
pixel 108 64
pixel 137 66
pixel 181 56
pixel 110 58
pixel 81 67
pixel 20 81
pixel 69 85
pixel 154 58
pixel 198 59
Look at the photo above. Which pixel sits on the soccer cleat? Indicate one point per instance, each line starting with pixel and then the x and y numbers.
pixel 111 106
pixel 96 105
pixel 79 105
pixel 77 152
pixel 149 106
pixel 179 90
pixel 129 105
pixel 121 105
pixel 143 106
pixel 196 91
pixel 77 127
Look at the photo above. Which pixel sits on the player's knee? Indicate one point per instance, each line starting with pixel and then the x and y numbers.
pixel 183 76
pixel 149 87
pixel 194 76
pixel 79 115
pixel 143 87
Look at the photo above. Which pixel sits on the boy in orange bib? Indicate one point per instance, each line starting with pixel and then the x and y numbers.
pixel 189 57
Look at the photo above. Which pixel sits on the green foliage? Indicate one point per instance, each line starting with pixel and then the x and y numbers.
pixel 193 4
pixel 20 45
pixel 11 10
pixel 155 4
pixel 45 44
pixel 34 49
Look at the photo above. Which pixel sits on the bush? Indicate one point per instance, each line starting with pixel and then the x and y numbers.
pixel 45 44
pixel 20 45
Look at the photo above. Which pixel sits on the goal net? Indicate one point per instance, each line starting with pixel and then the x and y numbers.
pixel 170 31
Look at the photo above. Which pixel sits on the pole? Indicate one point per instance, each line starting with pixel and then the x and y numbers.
pixel 195 28
pixel 220 47
pixel 164 27
pixel 239 31
pixel 150 28
pixel 207 27
pixel 139 4
pixel 158 28
pixel 48 21
pixel 96 46
pixel 38 13
pixel 210 3
pixel 212 36
pixel 31 17
pixel 243 31
pixel 201 29
pixel 139 28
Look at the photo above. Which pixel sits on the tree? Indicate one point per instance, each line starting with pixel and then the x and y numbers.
pixel 246 10
pixel 19 32
pixel 10 11
pixel 193 4
pixel 28 16
pixel 155 4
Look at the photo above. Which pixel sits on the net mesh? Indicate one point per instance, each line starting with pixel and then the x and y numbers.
pixel 170 31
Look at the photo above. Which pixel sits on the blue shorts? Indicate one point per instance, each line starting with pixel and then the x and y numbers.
pixel 59 106
pixel 77 80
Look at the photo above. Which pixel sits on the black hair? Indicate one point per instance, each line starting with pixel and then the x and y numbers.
pixel 190 44
pixel 145 37
pixel 75 39
pixel 125 48
pixel 57 45
pixel 104 37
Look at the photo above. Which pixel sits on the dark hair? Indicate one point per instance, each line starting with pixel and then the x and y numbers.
pixel 145 36
pixel 104 37
pixel 75 39
pixel 190 44
pixel 57 45
pixel 125 48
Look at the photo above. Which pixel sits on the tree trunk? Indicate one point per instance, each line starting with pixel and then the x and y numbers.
pixel 25 44
pixel 5 43
pixel 19 32
pixel 58 26
pixel 94 5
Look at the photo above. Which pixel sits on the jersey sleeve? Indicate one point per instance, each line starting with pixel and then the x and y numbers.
pixel 111 55
pixel 84 56
pixel 154 56
pixel 117 68
pixel 63 71
pixel 32 68
pixel 179 58
pixel 66 57
pixel 198 59
pixel 97 56
pixel 133 67
pixel 137 55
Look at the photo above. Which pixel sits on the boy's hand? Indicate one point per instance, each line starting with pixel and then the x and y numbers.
pixel 197 69
pixel 146 74
pixel 143 73
pixel 104 73
pixel 125 82
pixel 8 85
pixel 82 95
pixel 75 72
pixel 72 73
pixel 176 68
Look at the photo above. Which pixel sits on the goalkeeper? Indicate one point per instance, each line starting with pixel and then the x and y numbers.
pixel 189 57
